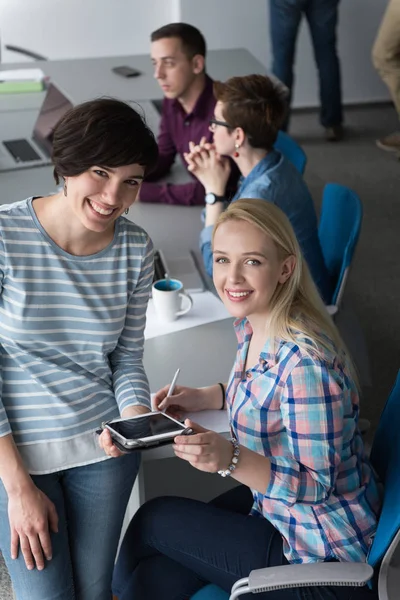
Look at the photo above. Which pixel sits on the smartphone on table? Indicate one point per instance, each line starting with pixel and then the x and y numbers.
pixel 126 71
pixel 144 431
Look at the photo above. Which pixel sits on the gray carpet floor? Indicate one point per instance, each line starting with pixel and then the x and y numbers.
pixel 373 287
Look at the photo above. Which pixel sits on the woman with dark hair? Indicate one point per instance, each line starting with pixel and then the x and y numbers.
pixel 75 280
pixel 248 115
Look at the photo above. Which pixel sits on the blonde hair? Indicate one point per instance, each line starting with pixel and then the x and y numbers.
pixel 296 310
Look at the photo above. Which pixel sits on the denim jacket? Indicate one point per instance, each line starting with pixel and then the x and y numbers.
pixel 275 179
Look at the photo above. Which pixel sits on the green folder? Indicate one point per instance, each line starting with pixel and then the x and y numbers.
pixel 20 87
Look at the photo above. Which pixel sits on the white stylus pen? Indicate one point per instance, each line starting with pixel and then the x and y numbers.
pixel 172 386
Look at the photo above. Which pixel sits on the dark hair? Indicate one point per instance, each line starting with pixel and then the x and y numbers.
pixel 192 39
pixel 254 104
pixel 104 132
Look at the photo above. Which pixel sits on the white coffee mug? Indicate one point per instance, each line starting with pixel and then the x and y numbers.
pixel 169 298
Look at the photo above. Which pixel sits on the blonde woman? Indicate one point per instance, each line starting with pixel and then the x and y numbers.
pixel 292 402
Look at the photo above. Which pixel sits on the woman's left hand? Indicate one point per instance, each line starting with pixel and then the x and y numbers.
pixel 105 442
pixel 105 439
pixel 205 450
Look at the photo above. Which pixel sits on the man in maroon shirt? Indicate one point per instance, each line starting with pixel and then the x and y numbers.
pixel 178 52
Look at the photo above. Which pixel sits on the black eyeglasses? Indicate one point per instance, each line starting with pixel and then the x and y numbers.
pixel 213 122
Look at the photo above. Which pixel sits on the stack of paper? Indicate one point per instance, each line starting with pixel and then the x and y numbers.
pixel 17 81
pixel 206 309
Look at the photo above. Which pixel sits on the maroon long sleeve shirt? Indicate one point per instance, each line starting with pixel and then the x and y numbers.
pixel 177 129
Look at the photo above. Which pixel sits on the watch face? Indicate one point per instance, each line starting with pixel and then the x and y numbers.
pixel 210 198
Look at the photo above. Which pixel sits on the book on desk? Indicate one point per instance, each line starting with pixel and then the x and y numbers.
pixel 20 81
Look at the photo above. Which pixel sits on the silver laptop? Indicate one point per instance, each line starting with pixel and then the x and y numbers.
pixel 184 268
pixel 32 149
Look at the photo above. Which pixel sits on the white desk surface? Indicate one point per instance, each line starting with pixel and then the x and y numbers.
pixel 86 78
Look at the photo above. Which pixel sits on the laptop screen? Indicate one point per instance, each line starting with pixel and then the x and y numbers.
pixel 55 105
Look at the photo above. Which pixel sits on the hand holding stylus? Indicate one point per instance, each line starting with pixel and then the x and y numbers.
pixel 171 389
pixel 178 399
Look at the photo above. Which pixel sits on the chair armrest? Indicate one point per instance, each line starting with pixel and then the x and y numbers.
pixel 313 574
pixel 25 52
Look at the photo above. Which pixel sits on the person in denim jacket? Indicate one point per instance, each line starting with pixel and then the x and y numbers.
pixel 248 115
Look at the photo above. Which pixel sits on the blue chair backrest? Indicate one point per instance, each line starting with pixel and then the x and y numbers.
pixel 338 231
pixel 385 458
pixel 291 149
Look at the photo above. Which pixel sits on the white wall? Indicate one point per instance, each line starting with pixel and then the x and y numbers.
pixel 78 28
pixel 82 28
pixel 234 23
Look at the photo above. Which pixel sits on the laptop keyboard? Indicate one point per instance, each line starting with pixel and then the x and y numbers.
pixel 21 150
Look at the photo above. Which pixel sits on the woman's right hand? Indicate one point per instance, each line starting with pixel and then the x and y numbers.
pixel 32 516
pixel 184 399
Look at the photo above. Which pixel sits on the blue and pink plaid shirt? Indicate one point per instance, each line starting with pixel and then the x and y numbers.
pixel 301 412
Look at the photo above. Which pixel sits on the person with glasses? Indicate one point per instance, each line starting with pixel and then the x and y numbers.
pixel 248 115
pixel 178 54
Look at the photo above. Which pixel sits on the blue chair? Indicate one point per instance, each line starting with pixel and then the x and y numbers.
pixel 384 557
pixel 291 149
pixel 338 232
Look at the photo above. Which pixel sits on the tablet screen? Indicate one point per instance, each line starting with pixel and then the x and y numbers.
pixel 146 426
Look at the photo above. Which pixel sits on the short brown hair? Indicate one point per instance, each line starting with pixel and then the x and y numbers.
pixel 254 104
pixel 191 38
pixel 104 132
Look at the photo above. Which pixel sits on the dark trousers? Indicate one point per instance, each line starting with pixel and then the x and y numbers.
pixel 175 546
pixel 322 17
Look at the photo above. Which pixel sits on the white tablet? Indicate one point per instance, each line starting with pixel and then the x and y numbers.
pixel 145 431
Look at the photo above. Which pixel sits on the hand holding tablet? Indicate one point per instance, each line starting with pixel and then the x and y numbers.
pixel 145 431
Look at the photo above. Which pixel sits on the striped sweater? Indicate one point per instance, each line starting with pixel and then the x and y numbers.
pixel 71 335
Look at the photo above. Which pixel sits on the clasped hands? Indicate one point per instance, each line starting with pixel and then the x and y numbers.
pixel 211 168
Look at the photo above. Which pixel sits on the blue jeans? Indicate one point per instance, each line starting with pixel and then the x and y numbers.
pixel 175 546
pixel 322 17
pixel 90 503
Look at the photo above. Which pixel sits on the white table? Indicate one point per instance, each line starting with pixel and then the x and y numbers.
pixel 87 78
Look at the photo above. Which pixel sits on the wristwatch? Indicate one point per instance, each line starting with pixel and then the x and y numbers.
pixel 213 198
